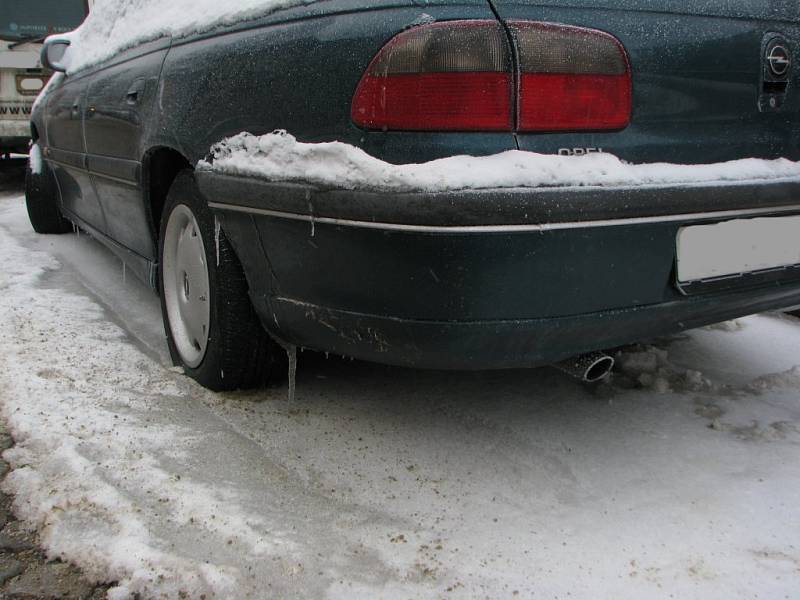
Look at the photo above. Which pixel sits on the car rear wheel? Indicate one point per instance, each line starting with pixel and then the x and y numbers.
pixel 212 329
pixel 41 199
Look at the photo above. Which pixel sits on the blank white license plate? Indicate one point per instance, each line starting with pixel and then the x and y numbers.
pixel 737 247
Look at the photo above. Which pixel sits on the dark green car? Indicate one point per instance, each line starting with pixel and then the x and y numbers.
pixel 466 279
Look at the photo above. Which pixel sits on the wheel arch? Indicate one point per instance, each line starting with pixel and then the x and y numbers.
pixel 160 166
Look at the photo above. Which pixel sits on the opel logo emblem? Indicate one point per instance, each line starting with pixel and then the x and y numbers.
pixel 778 60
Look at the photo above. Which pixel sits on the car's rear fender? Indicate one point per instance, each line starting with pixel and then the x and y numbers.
pixel 298 70
pixel 696 81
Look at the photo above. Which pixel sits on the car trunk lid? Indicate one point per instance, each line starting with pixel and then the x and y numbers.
pixel 702 88
pixel 773 10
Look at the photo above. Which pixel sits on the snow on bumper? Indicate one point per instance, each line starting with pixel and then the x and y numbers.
pixel 279 156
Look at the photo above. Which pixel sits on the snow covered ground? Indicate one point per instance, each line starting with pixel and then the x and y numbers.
pixel 680 479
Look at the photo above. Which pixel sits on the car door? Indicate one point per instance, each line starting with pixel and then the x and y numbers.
pixel 66 151
pixel 119 104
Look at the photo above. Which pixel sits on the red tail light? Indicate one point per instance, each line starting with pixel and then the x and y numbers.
pixel 457 75
pixel 571 78
pixel 454 75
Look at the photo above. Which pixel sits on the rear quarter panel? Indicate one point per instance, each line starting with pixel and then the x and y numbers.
pixel 297 70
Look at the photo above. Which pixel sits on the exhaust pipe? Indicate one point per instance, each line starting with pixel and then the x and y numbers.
pixel 589 368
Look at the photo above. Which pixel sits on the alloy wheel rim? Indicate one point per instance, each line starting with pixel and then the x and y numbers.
pixel 186 285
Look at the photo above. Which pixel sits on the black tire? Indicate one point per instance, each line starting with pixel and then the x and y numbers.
pixel 41 198
pixel 238 352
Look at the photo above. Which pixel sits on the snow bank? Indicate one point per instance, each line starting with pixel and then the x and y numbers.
pixel 91 464
pixel 115 25
pixel 278 156
pixel 648 367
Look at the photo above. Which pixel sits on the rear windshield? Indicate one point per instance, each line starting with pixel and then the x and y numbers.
pixel 24 19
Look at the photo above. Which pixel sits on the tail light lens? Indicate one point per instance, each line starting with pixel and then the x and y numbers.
pixel 571 78
pixel 454 75
pixel 457 75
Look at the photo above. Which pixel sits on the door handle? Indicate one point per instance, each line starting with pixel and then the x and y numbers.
pixel 75 110
pixel 135 92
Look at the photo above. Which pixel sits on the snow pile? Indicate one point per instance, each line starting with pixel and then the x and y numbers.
pixel 755 431
pixel 727 326
pixel 91 468
pixel 35 159
pixel 278 156
pixel 786 379
pixel 116 25
pixel 648 367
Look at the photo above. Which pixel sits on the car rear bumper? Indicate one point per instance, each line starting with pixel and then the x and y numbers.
pixel 485 279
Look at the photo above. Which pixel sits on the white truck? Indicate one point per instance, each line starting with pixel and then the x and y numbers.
pixel 23 26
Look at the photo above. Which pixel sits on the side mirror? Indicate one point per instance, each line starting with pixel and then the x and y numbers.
pixel 53 54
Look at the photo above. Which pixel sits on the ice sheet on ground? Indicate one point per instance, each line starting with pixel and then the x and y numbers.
pixel 391 483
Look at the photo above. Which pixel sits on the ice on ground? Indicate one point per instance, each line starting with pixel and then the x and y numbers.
pixel 380 482
pixel 278 156
pixel 84 458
